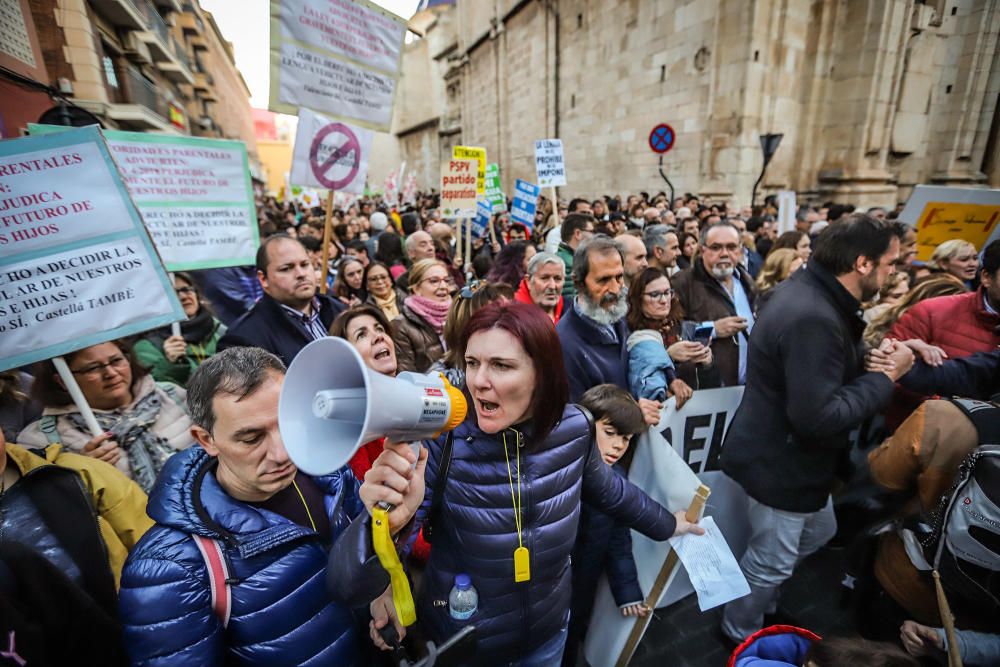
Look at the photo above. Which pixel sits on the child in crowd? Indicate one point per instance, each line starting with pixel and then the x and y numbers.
pixel 789 646
pixel 601 544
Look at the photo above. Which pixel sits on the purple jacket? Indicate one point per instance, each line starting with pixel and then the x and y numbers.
pixel 475 532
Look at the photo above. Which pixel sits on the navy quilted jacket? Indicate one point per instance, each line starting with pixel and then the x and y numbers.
pixel 281 613
pixel 475 532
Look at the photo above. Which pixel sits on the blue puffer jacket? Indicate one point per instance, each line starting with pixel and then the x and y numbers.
pixel 650 369
pixel 475 532
pixel 280 614
pixel 774 646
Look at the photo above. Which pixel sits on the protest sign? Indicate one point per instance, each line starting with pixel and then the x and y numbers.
pixel 525 203
pixel 479 155
pixel 943 213
pixel 339 57
pixel 458 189
pixel 329 154
pixel 670 475
pixel 787 209
pixel 494 192
pixel 481 223
pixel 194 195
pixel 77 266
pixel 549 165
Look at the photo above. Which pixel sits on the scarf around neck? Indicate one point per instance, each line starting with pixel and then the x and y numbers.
pixel 430 311
pixel 388 305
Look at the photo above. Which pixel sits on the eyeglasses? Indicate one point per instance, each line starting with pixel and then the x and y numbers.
pixel 181 291
pixel 659 294
pixel 378 279
pixel 94 371
pixel 434 281
pixel 728 247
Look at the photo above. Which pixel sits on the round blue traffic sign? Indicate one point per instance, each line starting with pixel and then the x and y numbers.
pixel 661 139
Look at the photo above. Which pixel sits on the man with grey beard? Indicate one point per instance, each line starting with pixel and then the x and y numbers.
pixel 717 292
pixel 593 331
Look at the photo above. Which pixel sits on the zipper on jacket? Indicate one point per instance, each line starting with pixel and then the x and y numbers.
pixel 528 542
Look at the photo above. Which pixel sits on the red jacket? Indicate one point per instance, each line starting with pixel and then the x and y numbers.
pixel 959 324
pixel 523 295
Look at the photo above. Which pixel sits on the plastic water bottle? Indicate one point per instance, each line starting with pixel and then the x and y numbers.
pixel 463 601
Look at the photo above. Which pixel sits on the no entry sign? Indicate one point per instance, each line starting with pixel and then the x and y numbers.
pixel 330 154
pixel 661 139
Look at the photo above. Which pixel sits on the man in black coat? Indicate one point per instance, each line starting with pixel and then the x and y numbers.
pixel 291 314
pixel 806 389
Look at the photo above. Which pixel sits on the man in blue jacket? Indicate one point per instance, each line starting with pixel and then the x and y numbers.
pixel 291 314
pixel 806 389
pixel 593 331
pixel 233 570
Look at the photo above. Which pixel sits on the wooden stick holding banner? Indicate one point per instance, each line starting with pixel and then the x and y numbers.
pixel 669 565
pixel 468 250
pixel 327 233
pixel 458 245
pixel 948 620
pixel 175 327
pixel 493 232
pixel 77 395
pixel 555 205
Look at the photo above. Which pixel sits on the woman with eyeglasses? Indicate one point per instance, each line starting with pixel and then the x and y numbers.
pixel 172 358
pixel 655 309
pixel 145 421
pixel 418 331
pixel 380 290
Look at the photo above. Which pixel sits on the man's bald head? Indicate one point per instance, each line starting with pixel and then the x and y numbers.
pixel 635 255
pixel 441 232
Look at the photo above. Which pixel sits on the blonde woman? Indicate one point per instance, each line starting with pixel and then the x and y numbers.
pixel 780 264
pixel 895 288
pixel 957 257
pixel 418 331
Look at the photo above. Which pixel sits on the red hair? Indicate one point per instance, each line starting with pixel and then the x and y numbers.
pixel 533 329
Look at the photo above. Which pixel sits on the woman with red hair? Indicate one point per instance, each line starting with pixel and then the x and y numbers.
pixel 510 480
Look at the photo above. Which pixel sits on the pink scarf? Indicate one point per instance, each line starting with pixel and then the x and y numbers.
pixel 431 311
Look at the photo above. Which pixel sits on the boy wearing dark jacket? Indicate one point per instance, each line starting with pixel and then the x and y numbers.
pixel 603 545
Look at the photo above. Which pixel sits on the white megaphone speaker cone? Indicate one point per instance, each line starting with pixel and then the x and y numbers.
pixel 331 404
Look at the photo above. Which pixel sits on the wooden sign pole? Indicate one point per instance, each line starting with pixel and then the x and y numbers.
pixel 327 233
pixel 669 565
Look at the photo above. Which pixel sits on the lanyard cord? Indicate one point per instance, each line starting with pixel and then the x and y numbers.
pixel 306 505
pixel 510 478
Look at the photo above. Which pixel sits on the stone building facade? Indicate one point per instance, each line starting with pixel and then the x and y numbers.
pixel 872 96
pixel 139 65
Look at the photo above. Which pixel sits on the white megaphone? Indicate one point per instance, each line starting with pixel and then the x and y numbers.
pixel 332 403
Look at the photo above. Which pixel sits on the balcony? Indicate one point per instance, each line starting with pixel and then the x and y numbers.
pixel 190 23
pixel 169 56
pixel 203 82
pixel 120 13
pixel 137 105
pixel 198 43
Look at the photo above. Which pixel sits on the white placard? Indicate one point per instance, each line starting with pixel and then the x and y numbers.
pixel 458 188
pixel 787 210
pixel 549 163
pixel 330 154
pixel 194 195
pixel 339 57
pixel 77 266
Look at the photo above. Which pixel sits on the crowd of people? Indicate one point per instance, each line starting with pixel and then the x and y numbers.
pixel 184 533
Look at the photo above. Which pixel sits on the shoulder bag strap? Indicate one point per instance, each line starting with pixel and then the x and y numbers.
pixel 218 576
pixel 437 500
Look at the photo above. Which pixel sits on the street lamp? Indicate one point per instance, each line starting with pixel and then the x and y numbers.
pixel 768 145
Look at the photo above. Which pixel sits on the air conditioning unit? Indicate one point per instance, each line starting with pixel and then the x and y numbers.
pixel 136 49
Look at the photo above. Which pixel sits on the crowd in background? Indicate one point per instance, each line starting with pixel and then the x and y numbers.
pixel 647 299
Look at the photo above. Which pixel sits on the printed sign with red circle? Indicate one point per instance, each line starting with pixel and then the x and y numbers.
pixel 662 138
pixel 334 156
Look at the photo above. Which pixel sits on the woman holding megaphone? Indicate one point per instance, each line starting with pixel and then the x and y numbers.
pixel 503 498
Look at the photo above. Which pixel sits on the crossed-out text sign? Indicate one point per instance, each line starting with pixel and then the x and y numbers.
pixel 330 154
pixel 458 189
pixel 339 57
pixel 549 164
pixel 77 266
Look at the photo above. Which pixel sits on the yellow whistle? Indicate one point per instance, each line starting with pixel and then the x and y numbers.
pixel 522 565
pixel 402 598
